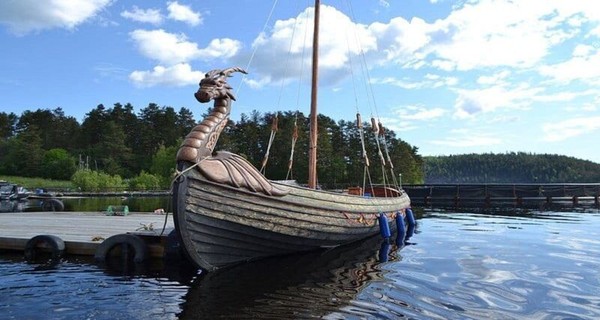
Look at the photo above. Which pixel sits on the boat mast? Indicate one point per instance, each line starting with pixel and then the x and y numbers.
pixel 312 149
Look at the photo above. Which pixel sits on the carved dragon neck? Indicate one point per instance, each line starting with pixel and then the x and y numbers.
pixel 200 142
pixel 224 167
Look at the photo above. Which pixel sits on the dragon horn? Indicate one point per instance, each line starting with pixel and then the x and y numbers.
pixel 227 72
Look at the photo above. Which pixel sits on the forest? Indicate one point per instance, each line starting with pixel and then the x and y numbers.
pixel 510 167
pixel 141 147
pixel 119 142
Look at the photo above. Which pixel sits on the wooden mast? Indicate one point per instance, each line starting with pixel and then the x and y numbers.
pixel 312 150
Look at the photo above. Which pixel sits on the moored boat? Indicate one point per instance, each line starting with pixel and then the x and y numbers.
pixel 227 212
pixel 13 192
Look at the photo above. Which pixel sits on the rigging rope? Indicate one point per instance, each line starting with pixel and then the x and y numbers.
pixel 294 139
pixel 282 85
pixel 289 174
pixel 267 22
pixel 377 126
pixel 271 138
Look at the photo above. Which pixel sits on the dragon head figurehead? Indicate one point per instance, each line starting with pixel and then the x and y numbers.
pixel 215 86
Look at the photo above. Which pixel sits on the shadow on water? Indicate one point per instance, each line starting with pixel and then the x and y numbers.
pixel 312 285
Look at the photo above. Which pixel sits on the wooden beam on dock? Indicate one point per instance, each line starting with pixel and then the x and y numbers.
pixel 82 232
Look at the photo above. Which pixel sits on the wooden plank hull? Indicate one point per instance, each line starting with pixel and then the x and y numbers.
pixel 220 225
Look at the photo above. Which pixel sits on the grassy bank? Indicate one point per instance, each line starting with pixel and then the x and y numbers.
pixel 33 183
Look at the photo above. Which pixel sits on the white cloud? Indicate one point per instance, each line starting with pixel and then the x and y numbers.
pixel 338 42
pixel 169 49
pixel 563 96
pixel 166 48
pixel 471 102
pixel 178 75
pixel 486 33
pixel 399 125
pixel 562 130
pixel 152 16
pixel 465 140
pixel 257 84
pixel 400 40
pixel 419 113
pixel 219 48
pixel 183 13
pixel 494 79
pixel 25 16
pixel 384 3
pixel 583 66
pixel 173 52
pixel 430 81
pixel 475 35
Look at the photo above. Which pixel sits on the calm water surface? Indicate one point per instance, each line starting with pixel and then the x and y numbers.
pixel 458 265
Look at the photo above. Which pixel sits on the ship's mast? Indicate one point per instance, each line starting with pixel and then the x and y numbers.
pixel 312 151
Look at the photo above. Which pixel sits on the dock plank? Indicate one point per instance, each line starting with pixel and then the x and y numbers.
pixel 79 230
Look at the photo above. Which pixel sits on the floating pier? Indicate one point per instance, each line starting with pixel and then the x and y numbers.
pixel 492 194
pixel 86 233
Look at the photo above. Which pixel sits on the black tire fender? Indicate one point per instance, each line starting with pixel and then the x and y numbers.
pixel 54 243
pixel 53 205
pixel 139 247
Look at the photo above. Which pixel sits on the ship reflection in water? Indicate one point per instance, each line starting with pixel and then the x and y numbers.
pixel 309 285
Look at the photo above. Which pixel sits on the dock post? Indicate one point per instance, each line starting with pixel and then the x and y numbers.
pixel 575 200
pixel 597 200
pixel 548 199
pixel 519 201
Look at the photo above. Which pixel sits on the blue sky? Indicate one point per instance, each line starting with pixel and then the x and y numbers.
pixel 449 77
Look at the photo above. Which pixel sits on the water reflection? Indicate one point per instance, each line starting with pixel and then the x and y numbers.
pixel 92 204
pixel 457 265
pixel 12 205
pixel 314 284
pixel 306 285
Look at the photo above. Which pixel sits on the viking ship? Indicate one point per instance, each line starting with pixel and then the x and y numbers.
pixel 226 212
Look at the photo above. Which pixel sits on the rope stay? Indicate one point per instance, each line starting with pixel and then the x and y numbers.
pixel 289 174
pixel 267 22
pixel 274 128
pixel 282 85
pixel 377 127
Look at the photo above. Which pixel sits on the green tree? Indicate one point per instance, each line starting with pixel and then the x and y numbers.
pixel 56 130
pixel 58 164
pixel 24 154
pixel 90 180
pixel 163 164
pixel 145 181
pixel 8 122
pixel 112 151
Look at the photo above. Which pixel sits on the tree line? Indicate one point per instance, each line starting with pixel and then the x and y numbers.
pixel 510 167
pixel 120 142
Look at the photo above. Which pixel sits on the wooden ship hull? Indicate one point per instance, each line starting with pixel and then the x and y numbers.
pixel 226 212
pixel 221 225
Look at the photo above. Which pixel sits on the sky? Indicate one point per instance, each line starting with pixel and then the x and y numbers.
pixel 449 77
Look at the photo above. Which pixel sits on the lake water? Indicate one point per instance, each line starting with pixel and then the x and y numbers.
pixel 91 204
pixel 493 264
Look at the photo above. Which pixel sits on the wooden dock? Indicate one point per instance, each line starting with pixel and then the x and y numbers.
pixel 502 193
pixel 83 232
